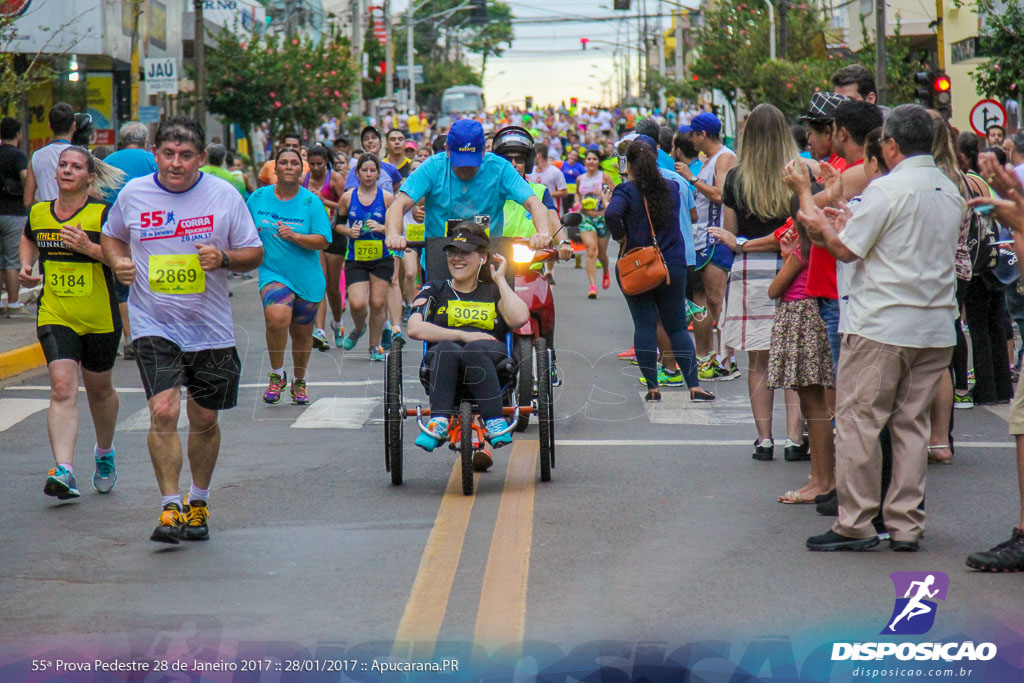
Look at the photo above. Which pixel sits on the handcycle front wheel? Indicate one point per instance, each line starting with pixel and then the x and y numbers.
pixel 524 384
pixel 545 418
pixel 394 414
pixel 466 446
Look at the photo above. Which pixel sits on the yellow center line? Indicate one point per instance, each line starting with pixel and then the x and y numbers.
pixel 428 600
pixel 501 616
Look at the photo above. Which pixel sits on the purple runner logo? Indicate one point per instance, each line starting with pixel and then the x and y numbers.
pixel 914 612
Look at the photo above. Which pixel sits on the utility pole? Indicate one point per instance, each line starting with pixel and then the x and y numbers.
pixel 136 11
pixel 410 54
pixel 389 53
pixel 678 20
pixel 357 54
pixel 880 52
pixel 199 50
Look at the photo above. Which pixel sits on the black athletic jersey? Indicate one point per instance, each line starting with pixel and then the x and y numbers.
pixel 477 310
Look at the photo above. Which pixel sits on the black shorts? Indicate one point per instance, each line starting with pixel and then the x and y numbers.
pixel 694 282
pixel 338 245
pixel 96 352
pixel 360 271
pixel 211 375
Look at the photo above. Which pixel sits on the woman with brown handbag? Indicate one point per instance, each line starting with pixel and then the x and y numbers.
pixel 643 215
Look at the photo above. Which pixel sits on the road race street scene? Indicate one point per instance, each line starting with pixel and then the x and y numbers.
pixel 495 340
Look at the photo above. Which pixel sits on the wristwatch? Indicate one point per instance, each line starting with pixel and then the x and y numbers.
pixel 568 242
pixel 225 262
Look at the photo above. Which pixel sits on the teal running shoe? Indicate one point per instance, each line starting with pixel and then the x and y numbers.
pixel 495 425
pixel 352 339
pixel 668 379
pixel 339 335
pixel 105 476
pixel 377 354
pixel 397 337
pixel 385 339
pixel 61 484
pixel 439 427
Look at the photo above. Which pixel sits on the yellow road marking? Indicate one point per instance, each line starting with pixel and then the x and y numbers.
pixel 428 600
pixel 501 616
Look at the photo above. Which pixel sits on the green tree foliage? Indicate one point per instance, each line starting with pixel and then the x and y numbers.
pixel 1002 75
pixel 289 82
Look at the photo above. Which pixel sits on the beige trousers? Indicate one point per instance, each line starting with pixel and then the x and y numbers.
pixel 879 383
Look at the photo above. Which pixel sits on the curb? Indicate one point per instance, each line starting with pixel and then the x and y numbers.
pixel 21 359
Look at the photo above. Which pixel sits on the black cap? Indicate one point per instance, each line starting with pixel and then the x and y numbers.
pixel 823 107
pixel 370 129
pixel 467 241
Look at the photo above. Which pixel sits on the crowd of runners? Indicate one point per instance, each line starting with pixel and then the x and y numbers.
pixel 845 255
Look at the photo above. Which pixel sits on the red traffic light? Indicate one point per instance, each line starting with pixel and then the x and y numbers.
pixel 941 84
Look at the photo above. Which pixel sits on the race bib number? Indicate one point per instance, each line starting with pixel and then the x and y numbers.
pixel 176 274
pixel 415 232
pixel 369 250
pixel 571 187
pixel 471 313
pixel 69 279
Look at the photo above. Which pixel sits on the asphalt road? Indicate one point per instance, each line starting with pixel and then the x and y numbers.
pixel 656 528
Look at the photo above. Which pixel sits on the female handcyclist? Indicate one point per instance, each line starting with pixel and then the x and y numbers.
pixel 464 320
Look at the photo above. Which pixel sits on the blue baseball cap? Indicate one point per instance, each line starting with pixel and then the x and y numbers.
pixel 706 122
pixel 466 143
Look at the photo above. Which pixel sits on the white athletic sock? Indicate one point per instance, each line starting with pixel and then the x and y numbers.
pixel 195 493
pixel 279 372
pixel 66 466
pixel 176 499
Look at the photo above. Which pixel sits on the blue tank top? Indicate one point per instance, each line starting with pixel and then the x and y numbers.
pixel 369 246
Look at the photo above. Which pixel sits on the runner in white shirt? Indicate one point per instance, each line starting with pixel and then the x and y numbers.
pixel 173 236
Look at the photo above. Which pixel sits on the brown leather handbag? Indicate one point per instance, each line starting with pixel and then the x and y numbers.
pixel 643 268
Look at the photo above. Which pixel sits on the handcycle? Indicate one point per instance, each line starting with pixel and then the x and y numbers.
pixel 466 434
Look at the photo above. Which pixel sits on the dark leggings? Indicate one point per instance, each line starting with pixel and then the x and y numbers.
pixel 986 310
pixel 960 350
pixel 474 364
pixel 667 300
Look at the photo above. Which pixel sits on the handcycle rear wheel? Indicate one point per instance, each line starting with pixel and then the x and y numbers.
pixel 466 446
pixel 394 413
pixel 544 411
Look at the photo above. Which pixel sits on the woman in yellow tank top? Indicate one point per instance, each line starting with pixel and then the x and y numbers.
pixel 78 322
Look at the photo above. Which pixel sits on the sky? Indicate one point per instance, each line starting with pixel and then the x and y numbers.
pixel 546 60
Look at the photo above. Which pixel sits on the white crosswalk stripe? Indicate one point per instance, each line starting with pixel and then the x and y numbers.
pixel 336 413
pixel 14 410
pixel 677 408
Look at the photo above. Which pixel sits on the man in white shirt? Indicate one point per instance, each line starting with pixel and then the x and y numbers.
pixel 173 236
pixel 899 326
pixel 41 179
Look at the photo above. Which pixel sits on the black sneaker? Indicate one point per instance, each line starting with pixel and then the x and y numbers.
pixel 171 521
pixel 796 452
pixel 825 497
pixel 763 450
pixel 1005 557
pixel 828 507
pixel 196 516
pixel 904 546
pixel 830 540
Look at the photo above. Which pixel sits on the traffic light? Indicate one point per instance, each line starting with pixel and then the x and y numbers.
pixel 621 4
pixel 942 98
pixel 573 102
pixel 478 11
pixel 529 102
pixel 583 42
pixel 923 88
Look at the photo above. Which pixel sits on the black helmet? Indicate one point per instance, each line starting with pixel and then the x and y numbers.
pixel 515 139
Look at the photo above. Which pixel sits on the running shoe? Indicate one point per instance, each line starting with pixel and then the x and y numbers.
pixel 796 452
pixel 406 312
pixel 963 401
pixel 377 354
pixel 494 426
pixel 339 334
pixel 61 484
pixel 169 529
pixel 764 451
pixel 105 476
pixel 668 379
pixel 629 354
pixel 277 384
pixel 606 280
pixel 396 336
pixel 320 340
pixel 385 339
pixel 709 370
pixel 196 517
pixel 730 373
pixel 592 294
pixel 299 397
pixel 1008 556
pixel 438 427
pixel 352 338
